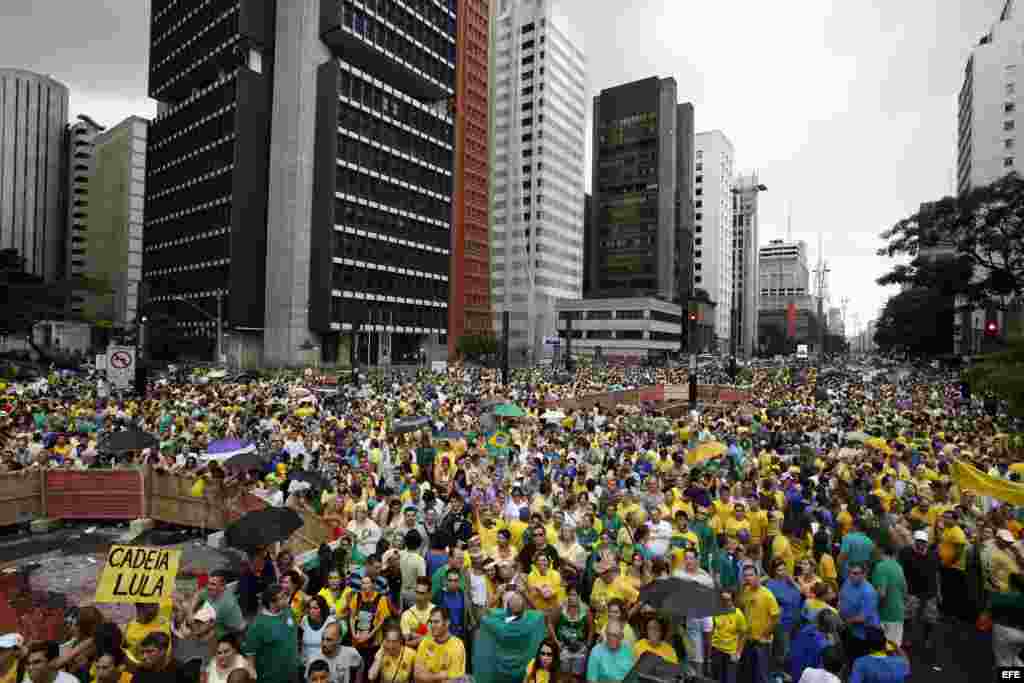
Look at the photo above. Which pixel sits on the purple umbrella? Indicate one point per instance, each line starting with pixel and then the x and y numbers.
pixel 223 449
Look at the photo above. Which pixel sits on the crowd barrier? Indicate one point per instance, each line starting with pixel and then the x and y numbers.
pixel 660 393
pixel 120 495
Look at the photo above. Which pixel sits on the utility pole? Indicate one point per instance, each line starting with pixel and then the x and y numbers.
pixel 820 279
pixel 220 327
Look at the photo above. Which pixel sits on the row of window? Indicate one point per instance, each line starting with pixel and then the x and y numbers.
pixel 351 182
pixel 384 283
pixel 398 110
pixel 382 222
pixel 385 38
pixel 360 312
pixel 431 16
pixel 387 163
pixel 360 248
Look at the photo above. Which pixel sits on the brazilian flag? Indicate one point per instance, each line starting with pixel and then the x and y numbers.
pixel 499 442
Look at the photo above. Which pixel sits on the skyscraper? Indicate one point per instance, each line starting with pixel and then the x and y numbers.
pixel 746 286
pixel 301 173
pixel 469 303
pixel 712 241
pixel 33 119
pixel 205 236
pixel 988 119
pixel 641 217
pixel 539 115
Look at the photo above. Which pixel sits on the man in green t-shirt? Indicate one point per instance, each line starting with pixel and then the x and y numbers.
pixel 891 586
pixel 272 641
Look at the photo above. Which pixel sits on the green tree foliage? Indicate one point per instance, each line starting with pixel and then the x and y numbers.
pixel 984 228
pixel 477 346
pixel 1002 373
pixel 918 320
pixel 25 299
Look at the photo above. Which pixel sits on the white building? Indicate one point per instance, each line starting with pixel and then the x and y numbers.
pixel 539 109
pixel 712 239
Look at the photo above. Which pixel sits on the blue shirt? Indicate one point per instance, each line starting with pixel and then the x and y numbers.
pixel 805 650
pixel 875 669
pixel 790 601
pixel 606 665
pixel 456 604
pixel 857 600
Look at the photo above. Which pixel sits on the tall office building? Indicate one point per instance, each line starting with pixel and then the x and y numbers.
pixel 989 121
pixel 987 149
pixel 81 166
pixel 746 285
pixel 301 172
pixel 113 239
pixel 713 231
pixel 784 274
pixel 539 116
pixel 33 119
pixel 469 303
pixel 835 321
pixel 641 216
pixel 205 233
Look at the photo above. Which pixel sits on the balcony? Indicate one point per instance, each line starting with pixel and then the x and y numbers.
pixel 345 35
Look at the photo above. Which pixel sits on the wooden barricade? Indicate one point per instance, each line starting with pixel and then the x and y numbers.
pixel 21 497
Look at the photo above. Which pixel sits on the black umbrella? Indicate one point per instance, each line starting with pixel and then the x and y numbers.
pixel 682 599
pixel 263 527
pixel 130 440
pixel 776 412
pixel 410 424
pixel 246 461
pixel 652 668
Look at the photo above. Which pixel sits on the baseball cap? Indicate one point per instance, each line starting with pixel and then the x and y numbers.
pixel 921 535
pixel 1005 535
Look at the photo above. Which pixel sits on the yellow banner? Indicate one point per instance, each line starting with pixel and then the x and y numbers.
pixel 136 573
pixel 972 479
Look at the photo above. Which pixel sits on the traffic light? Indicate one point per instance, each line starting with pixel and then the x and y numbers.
pixel 693 317
pixel 992 328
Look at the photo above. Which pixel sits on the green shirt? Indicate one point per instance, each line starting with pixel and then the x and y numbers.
pixel 229 614
pixel 888 578
pixel 273 642
pixel 439 579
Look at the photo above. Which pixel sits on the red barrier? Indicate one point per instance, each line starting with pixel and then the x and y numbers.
pixel 96 494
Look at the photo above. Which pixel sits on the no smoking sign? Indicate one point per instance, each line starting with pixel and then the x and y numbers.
pixel 120 360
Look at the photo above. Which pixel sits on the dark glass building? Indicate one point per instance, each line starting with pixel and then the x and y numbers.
pixel 210 70
pixel 640 236
pixel 302 168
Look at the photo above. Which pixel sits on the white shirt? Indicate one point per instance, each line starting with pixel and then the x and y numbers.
pixel 344 660
pixel 818 676
pixel 661 537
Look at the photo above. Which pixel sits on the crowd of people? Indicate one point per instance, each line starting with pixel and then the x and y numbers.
pixel 826 515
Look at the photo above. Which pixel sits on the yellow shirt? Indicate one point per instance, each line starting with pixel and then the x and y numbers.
pixel 489 537
pixel 602 594
pixel 134 633
pixel 762 613
pixel 552 580
pixel 758 526
pixel 516 529
pixel 398 669
pixel 663 650
pixel 723 511
pixel 416 623
pixel 734 526
pixel 884 498
pixel 845 522
pixel 783 549
pixel 727 631
pixel 535 675
pixel 956 539
pixel 448 657
pixel 936 511
pixel 1001 565
pixel 827 569
pixel 337 604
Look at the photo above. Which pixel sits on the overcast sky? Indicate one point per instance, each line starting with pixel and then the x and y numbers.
pixel 847 109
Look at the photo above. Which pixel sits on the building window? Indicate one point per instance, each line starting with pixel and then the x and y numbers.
pixel 1008 107
pixel 700 167
pixel 528 27
pixel 699 204
pixel 700 179
pixel 698 279
pixel 1008 125
pixel 698 241
pixel 700 216
pixel 699 192
pixel 1008 143
pixel 696 266
pixel 1008 161
pixel 1010 88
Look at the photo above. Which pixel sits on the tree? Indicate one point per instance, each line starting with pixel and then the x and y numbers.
pixel 1002 373
pixel 918 320
pixel 26 299
pixel 477 347
pixel 984 228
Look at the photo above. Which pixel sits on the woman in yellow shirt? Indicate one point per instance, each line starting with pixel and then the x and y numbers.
pixel 654 642
pixel 728 634
pixel 394 662
pixel 544 667
pixel 544 584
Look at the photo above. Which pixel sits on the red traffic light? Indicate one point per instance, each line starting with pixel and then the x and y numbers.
pixel 992 327
pixel 693 316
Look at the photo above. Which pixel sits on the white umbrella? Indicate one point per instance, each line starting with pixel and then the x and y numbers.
pixel 553 415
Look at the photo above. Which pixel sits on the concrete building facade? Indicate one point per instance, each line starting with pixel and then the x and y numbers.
pixel 33 121
pixel 746 282
pixel 113 240
pixel 539 122
pixel 713 227
pixel 784 274
pixel 621 328
pixel 81 166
